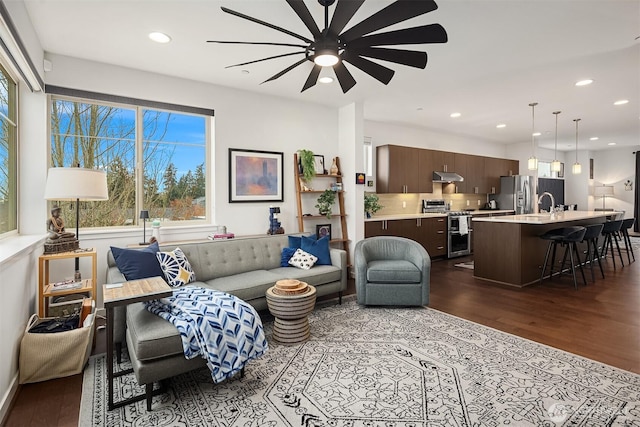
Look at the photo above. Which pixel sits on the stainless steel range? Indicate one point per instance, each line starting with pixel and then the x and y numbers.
pixel 458 227
pixel 459 233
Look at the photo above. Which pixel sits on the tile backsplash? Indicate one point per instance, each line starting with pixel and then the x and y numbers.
pixel 397 204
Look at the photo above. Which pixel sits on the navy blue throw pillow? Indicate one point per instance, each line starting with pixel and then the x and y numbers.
pixel 319 248
pixel 295 242
pixel 137 264
pixel 287 253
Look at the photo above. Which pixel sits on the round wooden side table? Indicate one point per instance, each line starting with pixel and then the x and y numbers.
pixel 291 325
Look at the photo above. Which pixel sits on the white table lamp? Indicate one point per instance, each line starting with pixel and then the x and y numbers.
pixel 603 191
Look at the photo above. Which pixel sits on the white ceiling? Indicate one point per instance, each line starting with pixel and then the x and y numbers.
pixel 501 56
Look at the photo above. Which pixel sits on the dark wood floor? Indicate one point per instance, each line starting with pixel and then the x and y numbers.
pixel 600 321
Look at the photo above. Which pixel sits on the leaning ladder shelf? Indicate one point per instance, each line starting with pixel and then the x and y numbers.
pixel 343 240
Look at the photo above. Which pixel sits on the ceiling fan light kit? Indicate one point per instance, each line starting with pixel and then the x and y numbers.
pixel 332 47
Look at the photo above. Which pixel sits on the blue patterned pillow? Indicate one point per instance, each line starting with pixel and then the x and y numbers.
pixel 137 264
pixel 176 267
pixel 319 248
pixel 287 253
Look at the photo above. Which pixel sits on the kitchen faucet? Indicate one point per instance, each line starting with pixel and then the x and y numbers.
pixel 553 201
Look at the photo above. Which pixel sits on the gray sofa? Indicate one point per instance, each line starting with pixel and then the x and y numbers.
pixel 244 267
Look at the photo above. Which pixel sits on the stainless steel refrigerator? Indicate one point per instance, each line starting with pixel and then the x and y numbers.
pixel 516 192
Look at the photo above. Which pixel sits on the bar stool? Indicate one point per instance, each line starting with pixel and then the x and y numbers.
pixel 610 233
pixel 591 239
pixel 624 230
pixel 568 237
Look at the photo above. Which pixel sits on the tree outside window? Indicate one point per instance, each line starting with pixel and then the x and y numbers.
pixel 169 146
pixel 8 155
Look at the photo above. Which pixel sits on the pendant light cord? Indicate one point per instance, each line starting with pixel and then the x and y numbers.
pixel 533 127
pixel 576 120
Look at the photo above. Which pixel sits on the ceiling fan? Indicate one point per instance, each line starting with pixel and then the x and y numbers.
pixel 331 47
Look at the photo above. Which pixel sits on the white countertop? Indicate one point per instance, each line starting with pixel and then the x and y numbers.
pixel 431 215
pixel 547 218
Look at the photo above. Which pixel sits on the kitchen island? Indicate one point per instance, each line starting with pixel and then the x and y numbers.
pixel 508 249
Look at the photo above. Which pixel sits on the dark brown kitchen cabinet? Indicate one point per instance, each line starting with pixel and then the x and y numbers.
pixel 495 168
pixel 477 182
pixel 429 232
pixel 397 169
pixel 443 161
pixel 426 168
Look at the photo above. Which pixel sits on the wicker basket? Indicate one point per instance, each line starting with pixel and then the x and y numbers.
pixel 47 356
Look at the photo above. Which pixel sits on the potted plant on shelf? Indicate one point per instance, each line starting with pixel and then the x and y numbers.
pixel 371 204
pixel 307 164
pixel 325 202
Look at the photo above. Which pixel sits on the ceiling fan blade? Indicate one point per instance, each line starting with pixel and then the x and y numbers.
pixel 377 71
pixel 303 13
pixel 411 58
pixel 313 77
pixel 433 33
pixel 259 43
pixel 285 71
pixel 397 11
pixel 345 9
pixel 266 24
pixel 264 59
pixel 345 78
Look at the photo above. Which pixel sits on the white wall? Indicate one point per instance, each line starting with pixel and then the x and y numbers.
pixel 614 167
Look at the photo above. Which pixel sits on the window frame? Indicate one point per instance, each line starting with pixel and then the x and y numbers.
pixel 71 95
pixel 13 148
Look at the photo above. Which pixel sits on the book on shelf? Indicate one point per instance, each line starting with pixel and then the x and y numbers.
pixel 220 236
pixel 65 285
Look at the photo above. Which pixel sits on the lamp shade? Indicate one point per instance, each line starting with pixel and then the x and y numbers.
pixel 144 214
pixel 603 190
pixel 76 184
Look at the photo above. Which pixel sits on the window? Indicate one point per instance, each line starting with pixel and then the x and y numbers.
pixel 368 156
pixel 156 159
pixel 8 155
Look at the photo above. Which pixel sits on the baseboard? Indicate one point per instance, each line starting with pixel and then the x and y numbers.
pixel 7 399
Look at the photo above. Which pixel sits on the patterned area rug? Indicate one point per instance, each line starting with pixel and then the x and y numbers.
pixel 386 367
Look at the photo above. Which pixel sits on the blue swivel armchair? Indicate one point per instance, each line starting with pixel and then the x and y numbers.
pixel 392 271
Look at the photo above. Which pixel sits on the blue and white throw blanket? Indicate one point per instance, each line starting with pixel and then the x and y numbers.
pixel 221 328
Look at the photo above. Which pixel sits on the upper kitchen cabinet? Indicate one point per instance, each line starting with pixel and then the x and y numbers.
pixel 425 173
pixel 443 161
pixel 397 169
pixel 495 168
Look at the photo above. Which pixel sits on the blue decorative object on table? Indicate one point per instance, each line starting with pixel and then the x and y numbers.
pixel 274 224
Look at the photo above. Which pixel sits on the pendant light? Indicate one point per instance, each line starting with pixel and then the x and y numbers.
pixel 555 165
pixel 577 168
pixel 533 161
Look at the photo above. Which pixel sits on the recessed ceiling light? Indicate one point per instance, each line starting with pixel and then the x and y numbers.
pixel 594 138
pixel 501 126
pixel 621 102
pixel 536 134
pixel 454 115
pixel 326 79
pixel 159 37
pixel 584 82
pixel 611 143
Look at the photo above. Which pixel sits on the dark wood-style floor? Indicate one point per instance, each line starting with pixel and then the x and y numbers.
pixel 600 321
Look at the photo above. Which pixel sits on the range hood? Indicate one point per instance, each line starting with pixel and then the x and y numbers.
pixel 447 177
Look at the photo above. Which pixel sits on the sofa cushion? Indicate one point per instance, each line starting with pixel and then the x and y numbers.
pixel 392 271
pixel 246 286
pixel 318 248
pixel 176 267
pixel 295 242
pixel 137 263
pixel 302 259
pixel 318 275
pixel 152 336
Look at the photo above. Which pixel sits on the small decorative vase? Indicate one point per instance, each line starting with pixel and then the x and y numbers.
pixel 368 214
pixel 334 168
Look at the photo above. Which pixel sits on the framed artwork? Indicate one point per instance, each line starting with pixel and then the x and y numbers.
pixel 323 230
pixel 319 164
pixel 255 176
